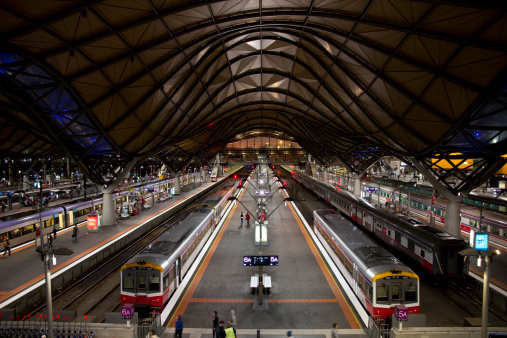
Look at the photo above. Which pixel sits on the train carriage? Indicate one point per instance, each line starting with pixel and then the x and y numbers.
pixel 22 230
pixel 434 250
pixel 379 280
pixel 149 278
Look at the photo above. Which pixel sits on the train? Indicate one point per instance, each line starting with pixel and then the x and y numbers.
pixel 150 277
pixel 22 230
pixel 379 280
pixel 423 206
pixel 433 250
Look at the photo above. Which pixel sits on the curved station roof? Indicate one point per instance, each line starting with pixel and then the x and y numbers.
pixel 352 80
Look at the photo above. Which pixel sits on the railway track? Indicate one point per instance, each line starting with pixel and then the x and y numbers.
pixel 98 292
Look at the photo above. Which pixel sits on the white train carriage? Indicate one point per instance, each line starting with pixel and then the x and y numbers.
pixel 379 280
pixel 149 278
pixel 435 250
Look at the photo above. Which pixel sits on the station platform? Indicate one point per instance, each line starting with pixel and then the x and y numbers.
pixel 304 297
pixel 24 268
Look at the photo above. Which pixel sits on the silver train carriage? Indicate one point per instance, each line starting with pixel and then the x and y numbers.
pixel 434 250
pixel 379 280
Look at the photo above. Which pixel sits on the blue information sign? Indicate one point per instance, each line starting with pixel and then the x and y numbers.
pixel 481 241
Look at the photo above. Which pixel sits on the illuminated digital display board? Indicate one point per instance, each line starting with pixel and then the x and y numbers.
pixel 481 240
pixel 260 260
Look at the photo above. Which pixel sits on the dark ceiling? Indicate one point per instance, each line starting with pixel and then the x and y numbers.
pixel 347 80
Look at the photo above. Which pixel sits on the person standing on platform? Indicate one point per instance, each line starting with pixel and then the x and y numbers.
pixel 75 231
pixel 7 246
pixel 3 207
pixel 334 331
pixel 289 334
pixel 230 332
pixel 54 232
pixel 215 323
pixel 247 217
pixel 178 327
pixel 220 330
pixel 50 241
pixel 241 216
pixel 232 319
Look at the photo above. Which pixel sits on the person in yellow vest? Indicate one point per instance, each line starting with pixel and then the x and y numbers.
pixel 229 331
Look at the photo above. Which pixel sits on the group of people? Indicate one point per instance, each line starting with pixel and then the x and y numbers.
pixel 219 331
pixel 247 217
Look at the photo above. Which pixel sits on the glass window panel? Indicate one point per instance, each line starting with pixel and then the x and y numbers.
pixel 128 282
pixel 154 283
pixel 382 294
pixel 410 293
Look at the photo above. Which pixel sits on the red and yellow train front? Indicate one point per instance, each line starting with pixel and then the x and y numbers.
pixel 393 288
pixel 142 285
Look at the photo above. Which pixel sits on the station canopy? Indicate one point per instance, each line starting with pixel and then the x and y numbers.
pixel 348 79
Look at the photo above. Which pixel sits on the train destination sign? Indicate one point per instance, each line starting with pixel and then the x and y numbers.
pixel 260 260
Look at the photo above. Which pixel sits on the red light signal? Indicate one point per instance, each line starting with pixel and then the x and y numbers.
pixel 235 177
pixel 284 183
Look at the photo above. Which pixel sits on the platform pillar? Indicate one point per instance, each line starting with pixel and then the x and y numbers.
pixel 108 211
pixel 68 167
pixel 177 184
pixel 26 183
pixel 452 218
pixel 325 177
pixel 357 185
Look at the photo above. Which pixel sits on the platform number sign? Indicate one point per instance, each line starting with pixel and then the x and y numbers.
pixel 401 312
pixel 127 311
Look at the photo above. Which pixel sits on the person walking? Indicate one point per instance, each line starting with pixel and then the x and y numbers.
pixel 220 330
pixel 247 217
pixel 7 246
pixel 215 323
pixel 334 331
pixel 241 216
pixel 75 231
pixel 178 327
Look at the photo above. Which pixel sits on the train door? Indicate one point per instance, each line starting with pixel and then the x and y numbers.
pixel 61 221
pixel 396 293
pixel 178 272
pixel 353 213
pixel 354 278
pixel 71 218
